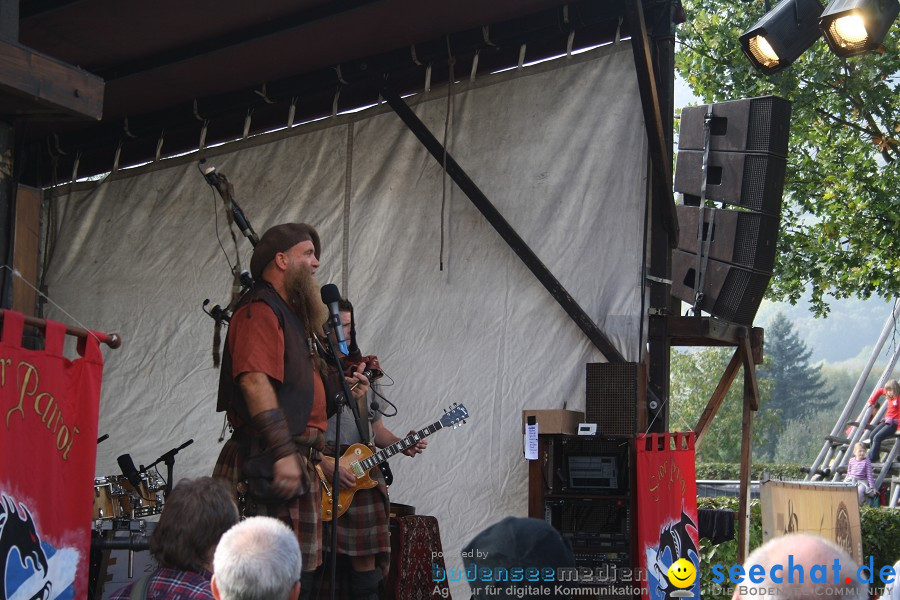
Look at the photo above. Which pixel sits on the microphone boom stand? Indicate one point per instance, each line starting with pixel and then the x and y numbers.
pixel 331 325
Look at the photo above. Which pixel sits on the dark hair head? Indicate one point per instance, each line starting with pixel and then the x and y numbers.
pixel 196 514
pixel 344 305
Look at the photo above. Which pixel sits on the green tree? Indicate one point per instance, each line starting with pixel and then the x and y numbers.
pixel 840 214
pixel 693 378
pixel 798 388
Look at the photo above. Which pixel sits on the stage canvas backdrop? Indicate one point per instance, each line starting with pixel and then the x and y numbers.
pixel 48 441
pixel 559 148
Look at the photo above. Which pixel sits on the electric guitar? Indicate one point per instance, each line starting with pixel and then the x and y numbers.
pixel 360 459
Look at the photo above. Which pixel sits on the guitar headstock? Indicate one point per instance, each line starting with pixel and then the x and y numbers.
pixel 454 416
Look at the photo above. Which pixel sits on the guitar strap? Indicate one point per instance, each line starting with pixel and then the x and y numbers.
pixel 361 415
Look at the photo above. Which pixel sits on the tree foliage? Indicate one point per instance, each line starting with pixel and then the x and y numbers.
pixel 798 389
pixel 841 214
pixel 694 377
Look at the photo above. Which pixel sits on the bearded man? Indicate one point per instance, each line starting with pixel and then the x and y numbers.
pixel 275 390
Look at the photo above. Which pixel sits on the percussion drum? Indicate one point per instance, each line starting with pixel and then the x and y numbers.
pixel 145 501
pixel 107 493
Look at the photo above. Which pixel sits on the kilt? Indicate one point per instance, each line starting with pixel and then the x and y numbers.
pixel 364 529
pixel 302 514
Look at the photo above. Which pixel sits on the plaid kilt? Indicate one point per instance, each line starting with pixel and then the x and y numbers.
pixel 364 529
pixel 302 514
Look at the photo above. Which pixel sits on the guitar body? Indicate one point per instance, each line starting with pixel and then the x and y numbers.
pixel 360 460
pixel 354 453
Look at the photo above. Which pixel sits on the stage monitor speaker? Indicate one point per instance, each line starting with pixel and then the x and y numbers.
pixel 616 397
pixel 753 181
pixel 743 238
pixel 730 292
pixel 755 125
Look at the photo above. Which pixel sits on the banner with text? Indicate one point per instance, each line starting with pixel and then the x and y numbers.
pixel 48 445
pixel 667 505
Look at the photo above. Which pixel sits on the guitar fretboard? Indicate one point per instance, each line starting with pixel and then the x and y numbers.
pixel 410 440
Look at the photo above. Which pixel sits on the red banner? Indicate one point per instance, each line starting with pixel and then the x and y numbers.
pixel 667 509
pixel 48 447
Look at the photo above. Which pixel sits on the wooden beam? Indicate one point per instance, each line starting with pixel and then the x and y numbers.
pixel 702 331
pixel 715 401
pixel 44 82
pixel 744 501
pixel 500 225
pixel 660 151
pixel 749 368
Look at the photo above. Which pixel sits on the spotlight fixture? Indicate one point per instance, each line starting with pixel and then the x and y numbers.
pixel 782 35
pixel 852 27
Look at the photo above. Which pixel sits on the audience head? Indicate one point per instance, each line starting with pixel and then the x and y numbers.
pixel 808 551
pixel 516 543
pixel 257 559
pixel 196 514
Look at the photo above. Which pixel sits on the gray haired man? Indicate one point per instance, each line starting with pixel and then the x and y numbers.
pixel 257 559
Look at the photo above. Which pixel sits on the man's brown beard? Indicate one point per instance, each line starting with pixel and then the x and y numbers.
pixel 304 297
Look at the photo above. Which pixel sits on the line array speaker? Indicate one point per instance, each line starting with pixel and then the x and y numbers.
pixel 743 238
pixel 730 292
pixel 760 125
pixel 753 181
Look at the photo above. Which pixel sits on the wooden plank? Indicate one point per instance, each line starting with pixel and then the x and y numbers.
pixel 47 82
pixel 25 252
pixel 715 401
pixel 744 501
pixel 749 369
pixel 660 150
pixel 702 331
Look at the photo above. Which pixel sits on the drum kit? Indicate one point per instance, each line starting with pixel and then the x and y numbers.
pixel 116 498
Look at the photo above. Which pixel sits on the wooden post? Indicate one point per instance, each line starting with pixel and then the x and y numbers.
pixel 746 437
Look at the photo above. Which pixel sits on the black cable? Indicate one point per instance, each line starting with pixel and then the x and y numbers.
pixel 216 223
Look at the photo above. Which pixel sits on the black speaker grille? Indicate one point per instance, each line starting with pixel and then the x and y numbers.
pixel 612 396
pixel 755 241
pixel 741 295
pixel 769 125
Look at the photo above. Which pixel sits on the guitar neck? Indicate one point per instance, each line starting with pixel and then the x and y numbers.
pixel 388 451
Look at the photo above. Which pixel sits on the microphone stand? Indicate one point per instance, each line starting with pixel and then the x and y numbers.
pixel 332 325
pixel 169 460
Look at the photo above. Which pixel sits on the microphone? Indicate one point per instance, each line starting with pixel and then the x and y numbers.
pixel 331 296
pixel 220 182
pixel 129 471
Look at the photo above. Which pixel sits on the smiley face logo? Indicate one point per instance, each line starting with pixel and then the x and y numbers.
pixel 682 573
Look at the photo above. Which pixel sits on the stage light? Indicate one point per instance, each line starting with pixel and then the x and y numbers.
pixel 782 35
pixel 852 27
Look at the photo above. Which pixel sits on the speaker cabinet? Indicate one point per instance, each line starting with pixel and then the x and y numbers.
pixel 755 125
pixel 616 397
pixel 730 292
pixel 746 239
pixel 753 181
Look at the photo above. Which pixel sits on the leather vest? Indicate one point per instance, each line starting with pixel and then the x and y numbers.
pixel 295 392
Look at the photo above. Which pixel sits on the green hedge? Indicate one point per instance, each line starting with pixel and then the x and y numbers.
pixel 757 470
pixel 880 536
